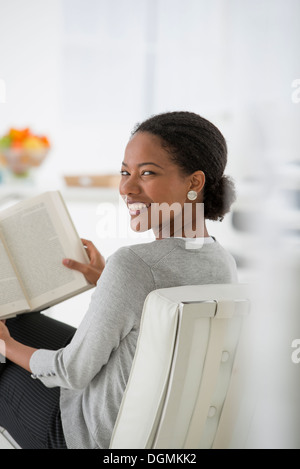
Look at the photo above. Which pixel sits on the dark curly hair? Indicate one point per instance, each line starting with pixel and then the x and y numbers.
pixel 195 144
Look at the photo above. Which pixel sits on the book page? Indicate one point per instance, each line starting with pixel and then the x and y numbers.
pixel 12 299
pixel 37 241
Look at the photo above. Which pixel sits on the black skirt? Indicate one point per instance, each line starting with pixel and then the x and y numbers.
pixel 30 411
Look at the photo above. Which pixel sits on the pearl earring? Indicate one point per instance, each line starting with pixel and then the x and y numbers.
pixel 192 195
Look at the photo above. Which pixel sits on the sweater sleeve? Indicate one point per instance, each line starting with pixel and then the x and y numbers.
pixel 114 311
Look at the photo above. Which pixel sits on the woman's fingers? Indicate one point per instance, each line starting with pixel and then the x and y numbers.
pixel 90 248
pixel 93 270
pixel 91 273
pixel 71 264
pixel 97 260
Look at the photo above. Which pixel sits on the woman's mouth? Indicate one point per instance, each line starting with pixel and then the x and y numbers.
pixel 136 208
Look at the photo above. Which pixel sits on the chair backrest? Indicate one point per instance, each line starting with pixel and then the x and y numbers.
pixel 183 388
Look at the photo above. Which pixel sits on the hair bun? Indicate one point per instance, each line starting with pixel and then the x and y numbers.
pixel 218 197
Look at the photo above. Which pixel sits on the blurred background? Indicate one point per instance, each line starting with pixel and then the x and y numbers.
pixel 84 72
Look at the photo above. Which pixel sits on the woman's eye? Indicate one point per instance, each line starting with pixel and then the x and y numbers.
pixel 146 173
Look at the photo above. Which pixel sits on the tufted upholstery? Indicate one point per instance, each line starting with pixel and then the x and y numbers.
pixel 183 390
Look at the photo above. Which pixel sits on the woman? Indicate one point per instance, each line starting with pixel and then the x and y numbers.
pixel 173 160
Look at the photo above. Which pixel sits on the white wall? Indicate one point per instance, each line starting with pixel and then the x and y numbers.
pixel 85 72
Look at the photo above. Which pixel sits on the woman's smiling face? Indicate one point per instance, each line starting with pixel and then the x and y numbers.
pixel 149 176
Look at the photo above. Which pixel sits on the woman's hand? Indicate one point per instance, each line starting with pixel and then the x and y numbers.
pixel 13 350
pixel 94 269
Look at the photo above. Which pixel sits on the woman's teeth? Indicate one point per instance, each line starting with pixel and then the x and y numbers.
pixel 136 208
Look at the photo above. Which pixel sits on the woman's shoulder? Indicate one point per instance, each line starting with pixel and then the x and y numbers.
pixel 147 253
pixel 151 253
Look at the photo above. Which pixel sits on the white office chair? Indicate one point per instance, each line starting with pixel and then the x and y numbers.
pixel 186 380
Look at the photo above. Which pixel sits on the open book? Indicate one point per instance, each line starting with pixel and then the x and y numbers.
pixel 35 235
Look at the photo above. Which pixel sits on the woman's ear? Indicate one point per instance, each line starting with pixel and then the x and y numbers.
pixel 197 181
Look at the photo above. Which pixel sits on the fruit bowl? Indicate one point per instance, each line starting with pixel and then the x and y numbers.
pixel 21 150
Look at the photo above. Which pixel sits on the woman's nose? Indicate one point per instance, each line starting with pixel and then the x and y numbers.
pixel 129 185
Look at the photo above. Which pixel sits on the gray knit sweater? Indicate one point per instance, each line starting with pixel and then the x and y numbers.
pixel 92 371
